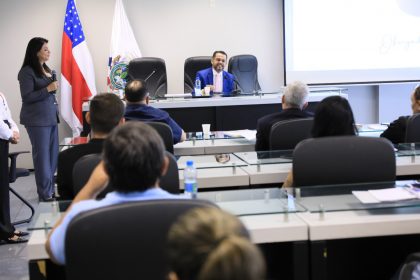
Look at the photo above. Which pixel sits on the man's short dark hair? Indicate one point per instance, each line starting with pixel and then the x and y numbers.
pixel 136 90
pixel 216 52
pixel 106 111
pixel 133 154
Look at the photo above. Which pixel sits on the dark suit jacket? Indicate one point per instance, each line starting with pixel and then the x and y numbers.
pixel 396 130
pixel 265 123
pixel 39 107
pixel 66 161
pixel 206 78
pixel 146 113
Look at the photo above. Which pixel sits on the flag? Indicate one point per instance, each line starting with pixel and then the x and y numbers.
pixel 123 49
pixel 77 74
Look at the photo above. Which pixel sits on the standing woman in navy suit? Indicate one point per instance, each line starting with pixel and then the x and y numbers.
pixel 39 114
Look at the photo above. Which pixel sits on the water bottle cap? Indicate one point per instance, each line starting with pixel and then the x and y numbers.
pixel 190 163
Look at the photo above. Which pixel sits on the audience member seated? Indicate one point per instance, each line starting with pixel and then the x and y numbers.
pixel 138 108
pixel 293 104
pixel 215 77
pixel 208 243
pixel 396 130
pixel 105 112
pixel 133 161
pixel 333 117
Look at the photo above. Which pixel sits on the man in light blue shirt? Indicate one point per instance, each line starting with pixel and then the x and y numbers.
pixel 133 162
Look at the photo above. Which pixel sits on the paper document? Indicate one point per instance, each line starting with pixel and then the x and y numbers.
pixel 377 126
pixel 392 194
pixel 365 197
pixel 385 195
pixel 246 133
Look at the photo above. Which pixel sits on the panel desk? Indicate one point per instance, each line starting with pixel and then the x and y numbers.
pixel 229 113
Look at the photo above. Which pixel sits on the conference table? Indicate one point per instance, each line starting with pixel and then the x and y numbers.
pixel 230 141
pixel 303 235
pixel 252 169
pixel 246 167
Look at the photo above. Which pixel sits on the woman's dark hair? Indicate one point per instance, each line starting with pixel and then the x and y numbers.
pixel 333 117
pixel 31 58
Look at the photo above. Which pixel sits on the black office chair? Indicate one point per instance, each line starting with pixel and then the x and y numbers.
pixel 15 173
pixel 154 70
pixel 245 69
pixel 170 181
pixel 165 132
pixel 343 160
pixel 412 133
pixel 82 170
pixel 285 135
pixel 407 268
pixel 84 167
pixel 191 66
pixel 124 241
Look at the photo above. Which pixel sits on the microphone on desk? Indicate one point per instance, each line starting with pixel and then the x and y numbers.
pixel 150 75
pixel 238 89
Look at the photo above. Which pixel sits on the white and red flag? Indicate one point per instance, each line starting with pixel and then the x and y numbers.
pixel 77 73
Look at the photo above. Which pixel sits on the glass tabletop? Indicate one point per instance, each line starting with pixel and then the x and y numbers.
pixel 254 202
pixel 408 149
pixel 211 161
pixel 266 157
pixel 343 197
pixel 193 136
pixel 73 141
pixel 47 214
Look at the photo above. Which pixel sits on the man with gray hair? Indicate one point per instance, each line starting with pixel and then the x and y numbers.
pixel 293 103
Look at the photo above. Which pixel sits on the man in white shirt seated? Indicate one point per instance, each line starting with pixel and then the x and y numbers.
pixel 133 162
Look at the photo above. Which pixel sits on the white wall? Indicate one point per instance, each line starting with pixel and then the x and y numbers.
pixel 172 30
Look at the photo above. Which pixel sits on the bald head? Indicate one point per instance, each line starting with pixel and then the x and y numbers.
pixel 136 91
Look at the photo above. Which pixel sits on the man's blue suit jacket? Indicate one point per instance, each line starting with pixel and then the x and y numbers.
pixel 206 78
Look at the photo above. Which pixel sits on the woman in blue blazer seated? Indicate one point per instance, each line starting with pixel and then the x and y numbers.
pixel 215 77
pixel 39 114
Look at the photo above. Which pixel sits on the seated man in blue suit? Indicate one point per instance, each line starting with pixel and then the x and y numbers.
pixel 215 77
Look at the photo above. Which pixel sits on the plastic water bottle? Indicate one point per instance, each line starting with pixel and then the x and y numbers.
pixel 190 180
pixel 197 88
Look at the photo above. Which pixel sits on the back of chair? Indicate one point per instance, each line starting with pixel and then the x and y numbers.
pixel 408 267
pixel 124 241
pixel 285 135
pixel 245 69
pixel 82 170
pixel 165 132
pixel 343 160
pixel 191 66
pixel 84 167
pixel 170 181
pixel 154 69
pixel 412 133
